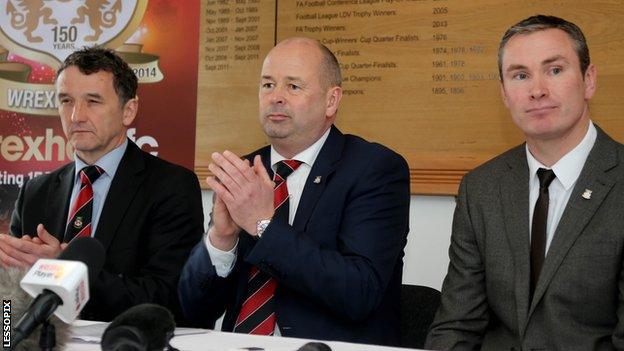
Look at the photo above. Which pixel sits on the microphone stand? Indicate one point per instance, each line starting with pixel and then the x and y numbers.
pixel 47 337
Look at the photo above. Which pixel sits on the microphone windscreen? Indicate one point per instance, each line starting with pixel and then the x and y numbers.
pixel 314 346
pixel 88 251
pixel 142 327
pixel 18 300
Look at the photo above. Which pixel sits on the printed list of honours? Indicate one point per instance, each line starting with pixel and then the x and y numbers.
pixel 347 28
pixel 379 42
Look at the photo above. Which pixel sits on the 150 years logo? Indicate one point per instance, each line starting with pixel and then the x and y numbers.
pixel 47 31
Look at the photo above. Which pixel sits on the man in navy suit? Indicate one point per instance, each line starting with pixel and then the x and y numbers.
pixel 334 255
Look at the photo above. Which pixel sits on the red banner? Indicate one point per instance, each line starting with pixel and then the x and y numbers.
pixel 158 38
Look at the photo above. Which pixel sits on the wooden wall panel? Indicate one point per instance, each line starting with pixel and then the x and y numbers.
pixel 420 75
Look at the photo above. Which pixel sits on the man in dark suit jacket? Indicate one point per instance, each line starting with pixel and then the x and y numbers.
pixel 508 286
pixel 148 215
pixel 337 256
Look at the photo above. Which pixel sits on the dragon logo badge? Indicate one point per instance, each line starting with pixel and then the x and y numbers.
pixel 98 19
pixel 49 30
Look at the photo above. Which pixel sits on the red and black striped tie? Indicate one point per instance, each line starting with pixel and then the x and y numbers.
pixel 257 316
pixel 79 220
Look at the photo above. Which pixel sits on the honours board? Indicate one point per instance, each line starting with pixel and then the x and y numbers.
pixel 420 76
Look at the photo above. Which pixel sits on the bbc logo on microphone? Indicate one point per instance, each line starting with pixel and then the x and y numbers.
pixel 6 324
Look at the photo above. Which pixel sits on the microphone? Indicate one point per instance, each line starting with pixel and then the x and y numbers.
pixel 15 302
pixel 314 346
pixel 144 327
pixel 60 286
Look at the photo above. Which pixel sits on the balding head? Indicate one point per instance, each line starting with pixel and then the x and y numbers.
pixel 329 69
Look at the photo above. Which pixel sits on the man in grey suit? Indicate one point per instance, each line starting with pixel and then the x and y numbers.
pixel 538 232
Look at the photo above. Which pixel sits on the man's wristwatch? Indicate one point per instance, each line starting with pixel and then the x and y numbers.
pixel 261 226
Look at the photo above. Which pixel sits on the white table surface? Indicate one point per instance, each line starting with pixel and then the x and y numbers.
pixel 209 340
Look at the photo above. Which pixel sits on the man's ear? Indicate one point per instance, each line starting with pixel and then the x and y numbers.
pixel 503 94
pixel 130 111
pixel 334 95
pixel 590 79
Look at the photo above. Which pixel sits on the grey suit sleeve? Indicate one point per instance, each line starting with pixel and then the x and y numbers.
pixel 463 316
pixel 617 338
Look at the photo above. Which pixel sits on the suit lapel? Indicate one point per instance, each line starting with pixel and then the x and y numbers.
pixel 265 155
pixel 579 211
pixel 125 184
pixel 324 165
pixel 58 197
pixel 514 190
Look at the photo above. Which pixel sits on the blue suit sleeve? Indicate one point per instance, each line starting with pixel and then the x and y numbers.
pixel 203 294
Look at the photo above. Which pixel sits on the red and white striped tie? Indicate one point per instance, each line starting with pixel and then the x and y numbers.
pixel 79 220
pixel 257 315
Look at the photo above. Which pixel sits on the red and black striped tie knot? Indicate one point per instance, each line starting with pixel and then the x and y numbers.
pixel 89 174
pixel 284 168
pixel 282 171
pixel 79 220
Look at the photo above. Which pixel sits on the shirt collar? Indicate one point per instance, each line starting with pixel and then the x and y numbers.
pixel 307 156
pixel 108 162
pixel 569 167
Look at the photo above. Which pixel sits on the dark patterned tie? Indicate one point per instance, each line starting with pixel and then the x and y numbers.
pixel 257 315
pixel 79 222
pixel 538 228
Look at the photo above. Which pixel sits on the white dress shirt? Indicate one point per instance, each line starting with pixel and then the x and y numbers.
pixel 567 170
pixel 224 260
pixel 109 164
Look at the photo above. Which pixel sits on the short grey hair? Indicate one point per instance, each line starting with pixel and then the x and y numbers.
pixel 542 22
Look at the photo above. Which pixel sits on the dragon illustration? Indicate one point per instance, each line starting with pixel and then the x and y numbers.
pixel 93 10
pixel 34 10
